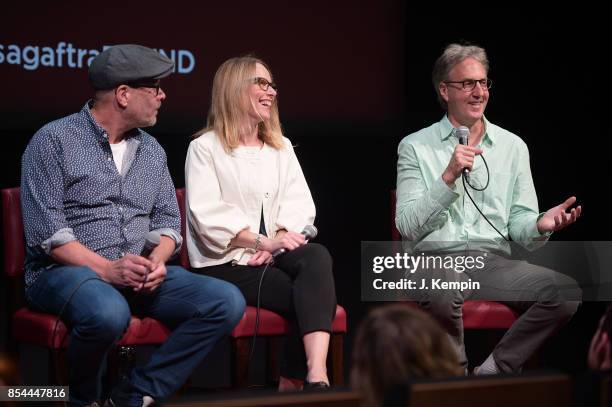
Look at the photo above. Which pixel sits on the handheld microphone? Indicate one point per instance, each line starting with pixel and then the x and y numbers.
pixel 309 232
pixel 463 133
pixel 152 240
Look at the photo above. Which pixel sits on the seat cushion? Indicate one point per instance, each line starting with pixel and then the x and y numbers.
pixel 339 323
pixel 36 328
pixel 272 324
pixel 487 315
pixel 484 314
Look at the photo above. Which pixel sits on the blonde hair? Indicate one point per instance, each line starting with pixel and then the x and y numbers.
pixel 397 342
pixel 228 114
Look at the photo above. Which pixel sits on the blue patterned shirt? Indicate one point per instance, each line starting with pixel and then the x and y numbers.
pixel 71 190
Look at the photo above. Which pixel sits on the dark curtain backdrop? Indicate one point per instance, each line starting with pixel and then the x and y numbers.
pixel 354 80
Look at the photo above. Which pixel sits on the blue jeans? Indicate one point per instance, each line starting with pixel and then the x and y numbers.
pixel 199 310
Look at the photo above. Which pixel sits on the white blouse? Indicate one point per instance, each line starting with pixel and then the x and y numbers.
pixel 226 192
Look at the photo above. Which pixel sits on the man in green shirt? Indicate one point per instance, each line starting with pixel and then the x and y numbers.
pixel 434 213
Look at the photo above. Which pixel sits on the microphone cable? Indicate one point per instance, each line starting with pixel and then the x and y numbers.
pixel 310 232
pixel 466 180
pixel 59 315
pixel 74 291
pixel 256 330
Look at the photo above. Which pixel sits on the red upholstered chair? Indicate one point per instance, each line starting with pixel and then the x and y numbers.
pixel 272 326
pixel 476 314
pixel 36 328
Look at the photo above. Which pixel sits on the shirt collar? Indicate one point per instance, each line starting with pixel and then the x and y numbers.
pixel 446 130
pixel 95 127
pixel 99 130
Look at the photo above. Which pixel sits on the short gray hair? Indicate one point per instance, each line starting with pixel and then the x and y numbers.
pixel 451 56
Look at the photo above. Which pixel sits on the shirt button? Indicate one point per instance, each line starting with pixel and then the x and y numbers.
pixel 267 195
pixel 121 209
pixel 121 254
pixel 109 159
pixel 125 229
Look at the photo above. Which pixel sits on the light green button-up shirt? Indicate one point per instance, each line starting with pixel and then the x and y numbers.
pixel 434 216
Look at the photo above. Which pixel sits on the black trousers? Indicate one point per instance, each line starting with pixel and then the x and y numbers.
pixel 299 286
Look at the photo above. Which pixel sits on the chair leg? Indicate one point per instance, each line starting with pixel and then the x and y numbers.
pixel 58 368
pixel 272 359
pixel 337 353
pixel 121 360
pixel 58 371
pixel 240 362
pixel 127 360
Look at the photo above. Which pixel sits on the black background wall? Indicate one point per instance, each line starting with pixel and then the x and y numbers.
pixel 355 79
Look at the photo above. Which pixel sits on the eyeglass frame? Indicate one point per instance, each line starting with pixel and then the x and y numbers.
pixel 487 84
pixel 257 81
pixel 137 85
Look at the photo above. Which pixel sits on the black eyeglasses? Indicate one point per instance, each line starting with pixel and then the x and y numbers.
pixel 469 85
pixel 136 85
pixel 264 84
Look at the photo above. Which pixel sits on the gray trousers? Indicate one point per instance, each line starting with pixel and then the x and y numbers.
pixel 546 300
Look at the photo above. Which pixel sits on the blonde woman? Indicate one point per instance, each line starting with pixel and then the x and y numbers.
pixel 395 343
pixel 246 199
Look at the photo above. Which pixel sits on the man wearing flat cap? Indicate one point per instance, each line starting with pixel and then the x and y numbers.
pixel 101 219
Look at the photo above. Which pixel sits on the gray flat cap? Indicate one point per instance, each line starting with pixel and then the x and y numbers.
pixel 127 63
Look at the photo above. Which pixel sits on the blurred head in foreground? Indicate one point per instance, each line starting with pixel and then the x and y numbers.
pixel 395 343
pixel 600 351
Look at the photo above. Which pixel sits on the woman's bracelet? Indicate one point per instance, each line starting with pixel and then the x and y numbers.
pixel 257 242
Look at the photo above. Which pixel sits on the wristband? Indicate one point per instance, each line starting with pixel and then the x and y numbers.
pixel 257 242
